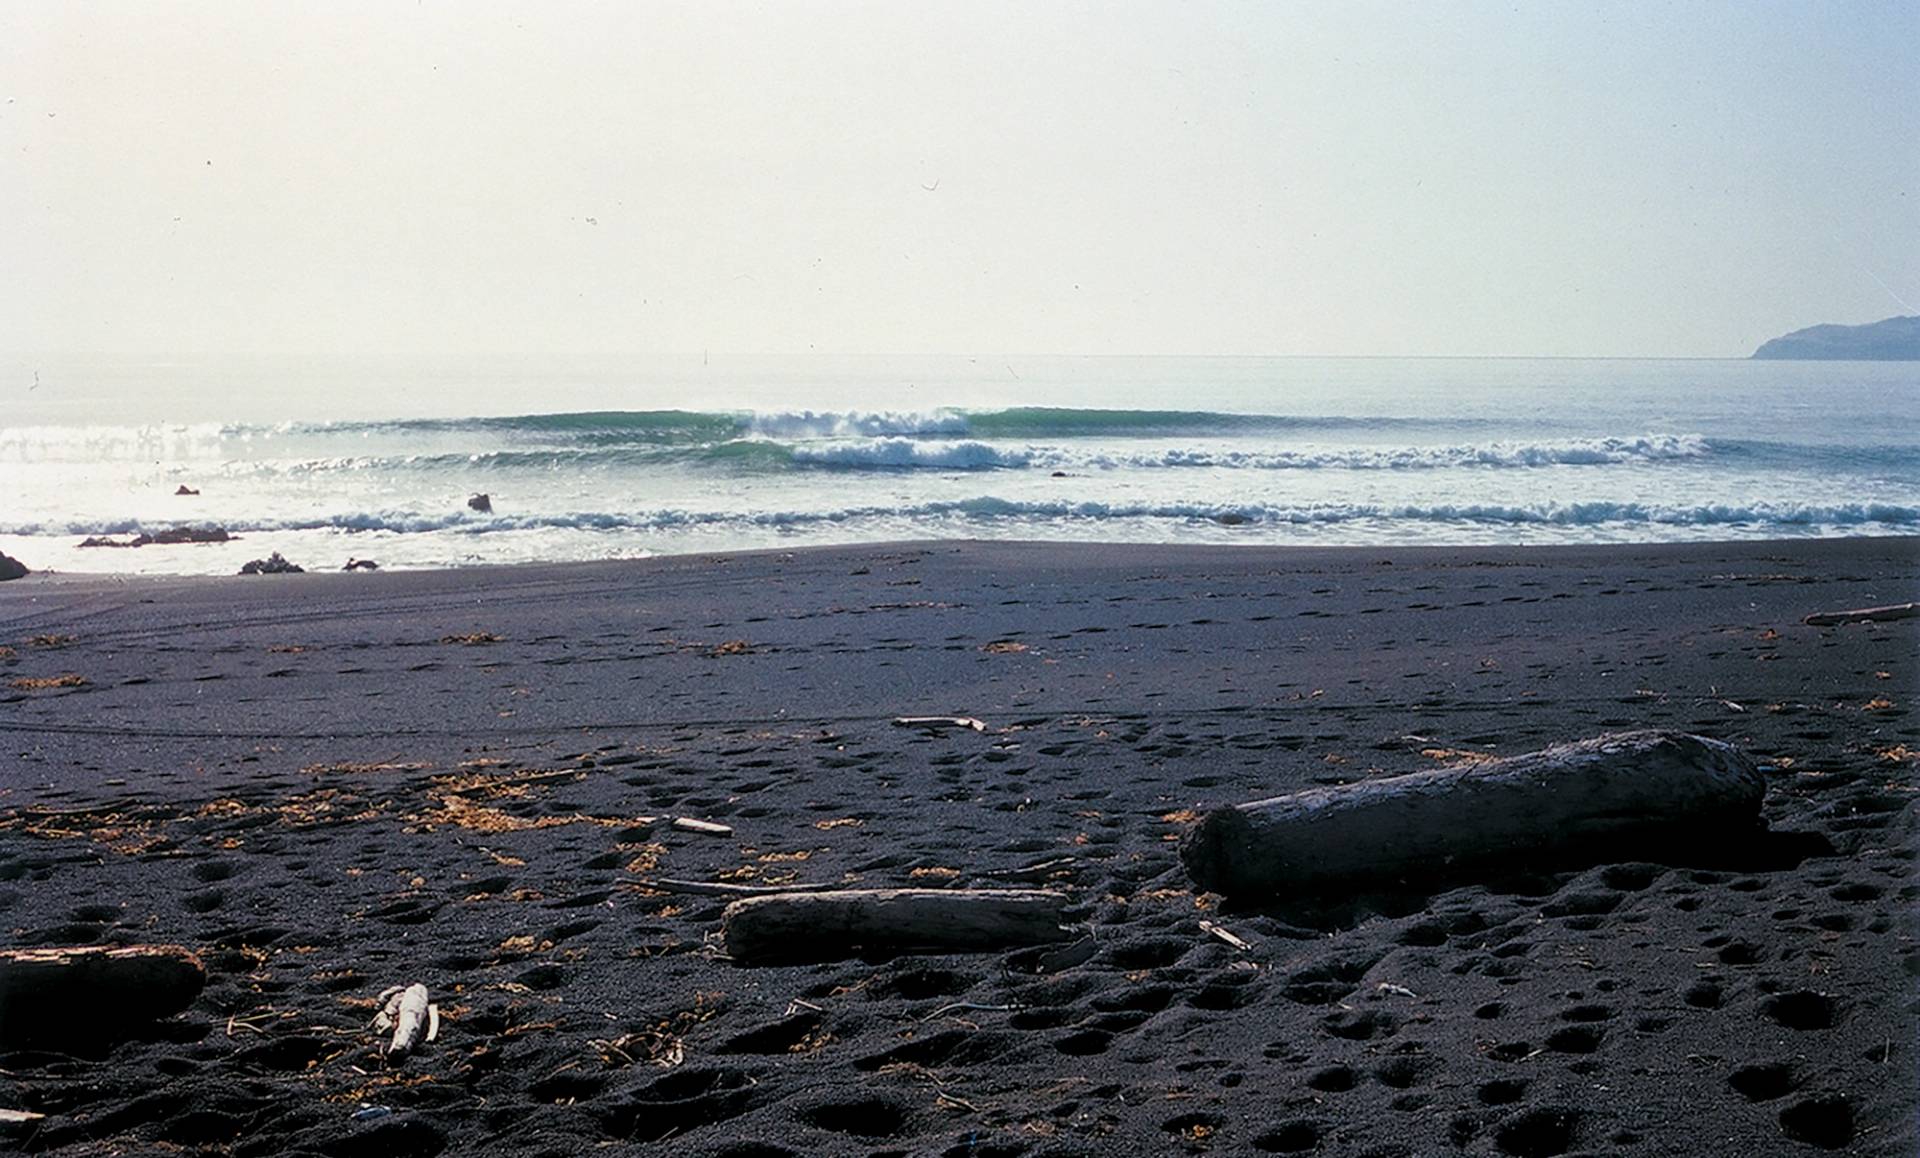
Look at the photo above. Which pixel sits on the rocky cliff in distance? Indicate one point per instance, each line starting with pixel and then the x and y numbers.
pixel 1891 340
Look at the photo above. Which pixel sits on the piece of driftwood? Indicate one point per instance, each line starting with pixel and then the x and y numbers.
pixel 1614 794
pixel 703 827
pixel 1863 615
pixel 936 723
pixel 725 888
pixel 1032 872
pixel 94 990
pixel 1225 935
pixel 835 923
pixel 406 1011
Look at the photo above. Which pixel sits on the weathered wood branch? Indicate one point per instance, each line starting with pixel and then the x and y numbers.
pixel 725 889
pixel 93 990
pixel 835 923
pixel 1614 792
pixel 1863 615
pixel 406 1012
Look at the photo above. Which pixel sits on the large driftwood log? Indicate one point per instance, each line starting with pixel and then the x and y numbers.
pixel 834 923
pixel 1863 615
pixel 1627 790
pixel 93 990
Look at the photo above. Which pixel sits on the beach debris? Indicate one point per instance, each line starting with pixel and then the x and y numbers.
pixel 1863 615
pixel 93 991
pixel 1223 934
pixel 482 502
pixel 704 827
pixel 371 1113
pixel 972 1007
pixel 1619 791
pixel 274 564
pixel 725 888
pixel 939 723
pixel 360 565
pixel 48 683
pixel 173 536
pixel 471 638
pixel 184 489
pixel 1041 871
pixel 11 568
pixel 19 1122
pixel 1051 958
pixel 405 1010
pixel 836 923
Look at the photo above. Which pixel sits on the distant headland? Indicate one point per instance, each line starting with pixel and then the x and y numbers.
pixel 1891 340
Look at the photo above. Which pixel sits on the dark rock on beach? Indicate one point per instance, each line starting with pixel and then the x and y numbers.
pixel 274 564
pixel 480 502
pixel 11 568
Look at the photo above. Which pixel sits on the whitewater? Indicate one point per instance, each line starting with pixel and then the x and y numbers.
pixel 623 459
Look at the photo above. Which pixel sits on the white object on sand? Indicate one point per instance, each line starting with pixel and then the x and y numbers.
pixel 406 1011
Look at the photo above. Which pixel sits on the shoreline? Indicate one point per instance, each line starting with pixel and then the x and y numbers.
pixel 1163 550
pixel 328 785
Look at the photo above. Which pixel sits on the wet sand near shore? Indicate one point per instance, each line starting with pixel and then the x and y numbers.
pixel 329 784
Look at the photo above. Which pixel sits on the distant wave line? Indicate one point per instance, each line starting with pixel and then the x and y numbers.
pixel 907 454
pixel 990 509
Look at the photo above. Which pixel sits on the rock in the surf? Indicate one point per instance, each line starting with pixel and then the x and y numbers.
pixel 274 564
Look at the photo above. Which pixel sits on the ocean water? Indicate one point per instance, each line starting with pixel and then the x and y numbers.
pixel 608 459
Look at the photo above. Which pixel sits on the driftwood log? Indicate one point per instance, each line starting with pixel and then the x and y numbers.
pixel 93 991
pixel 1863 615
pixel 830 924
pixel 1622 793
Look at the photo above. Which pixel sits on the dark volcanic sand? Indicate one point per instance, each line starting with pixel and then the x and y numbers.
pixel 304 779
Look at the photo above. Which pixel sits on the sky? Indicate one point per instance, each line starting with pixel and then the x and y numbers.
pixel 326 177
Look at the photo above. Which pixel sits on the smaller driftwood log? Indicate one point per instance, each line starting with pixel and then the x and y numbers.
pixel 406 1011
pixel 94 990
pixel 1863 615
pixel 1621 794
pixel 826 924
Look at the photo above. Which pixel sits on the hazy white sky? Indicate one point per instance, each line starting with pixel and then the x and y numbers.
pixel 958 177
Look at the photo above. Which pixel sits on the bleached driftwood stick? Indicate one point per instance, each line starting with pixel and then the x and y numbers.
pixel 830 923
pixel 1225 935
pixel 1863 615
pixel 935 723
pixel 406 1011
pixel 704 827
pixel 1611 794
pixel 93 989
pixel 725 889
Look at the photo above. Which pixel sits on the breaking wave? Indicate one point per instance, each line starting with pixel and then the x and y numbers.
pixel 998 510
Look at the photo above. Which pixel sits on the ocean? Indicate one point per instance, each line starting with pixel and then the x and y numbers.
pixel 598 459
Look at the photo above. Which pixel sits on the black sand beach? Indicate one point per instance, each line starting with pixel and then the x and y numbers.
pixel 329 784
